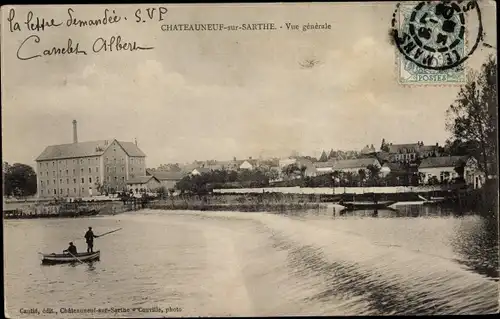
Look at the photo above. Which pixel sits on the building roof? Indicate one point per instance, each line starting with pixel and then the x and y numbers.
pixel 403 148
pixel 202 169
pixel 166 176
pixel 354 163
pixel 85 149
pixel 132 149
pixel 393 167
pixel 324 164
pixel 443 161
pixel 368 149
pixel 141 179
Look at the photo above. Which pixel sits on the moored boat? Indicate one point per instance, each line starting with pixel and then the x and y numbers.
pixel 366 205
pixel 50 259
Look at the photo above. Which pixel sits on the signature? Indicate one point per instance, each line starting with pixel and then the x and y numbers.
pixel 32 48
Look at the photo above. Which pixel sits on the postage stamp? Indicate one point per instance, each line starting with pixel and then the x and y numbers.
pixel 432 40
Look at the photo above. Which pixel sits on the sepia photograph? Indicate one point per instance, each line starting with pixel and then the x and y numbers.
pixel 264 159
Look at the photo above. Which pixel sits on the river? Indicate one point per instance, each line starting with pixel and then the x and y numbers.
pixel 186 263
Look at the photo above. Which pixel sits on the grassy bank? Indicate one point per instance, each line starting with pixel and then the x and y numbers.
pixel 243 203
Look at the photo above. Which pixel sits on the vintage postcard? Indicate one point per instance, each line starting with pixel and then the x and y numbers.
pixel 271 159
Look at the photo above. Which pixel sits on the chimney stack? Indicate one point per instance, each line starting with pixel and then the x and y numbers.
pixel 75 134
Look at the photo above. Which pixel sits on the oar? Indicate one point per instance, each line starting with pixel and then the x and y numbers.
pixel 75 257
pixel 109 232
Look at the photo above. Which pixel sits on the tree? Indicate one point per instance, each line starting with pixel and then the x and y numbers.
pixel 161 192
pixel 332 154
pixel 373 172
pixel 384 146
pixel 362 175
pixel 19 180
pixel 323 157
pixel 472 118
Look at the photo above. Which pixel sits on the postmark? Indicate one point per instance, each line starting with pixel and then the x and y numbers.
pixel 433 40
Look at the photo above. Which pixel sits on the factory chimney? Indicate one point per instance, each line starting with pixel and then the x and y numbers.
pixel 75 135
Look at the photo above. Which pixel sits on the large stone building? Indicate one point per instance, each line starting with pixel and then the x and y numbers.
pixel 83 169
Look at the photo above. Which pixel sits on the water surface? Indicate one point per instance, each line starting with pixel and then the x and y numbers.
pixel 258 264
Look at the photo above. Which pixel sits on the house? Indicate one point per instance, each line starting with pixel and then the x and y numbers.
pixel 354 165
pixel 310 170
pixel 368 150
pixel 286 161
pixel 200 170
pixel 167 179
pixel 143 184
pixel 473 176
pixel 249 164
pixel 443 168
pixel 394 168
pixel 81 169
pixel 324 167
pixel 410 152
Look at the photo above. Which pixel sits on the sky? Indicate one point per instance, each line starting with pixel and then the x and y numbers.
pixel 219 95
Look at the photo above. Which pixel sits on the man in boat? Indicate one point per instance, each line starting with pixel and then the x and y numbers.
pixel 71 249
pixel 89 236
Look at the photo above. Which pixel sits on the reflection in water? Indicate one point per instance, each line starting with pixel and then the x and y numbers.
pixel 477 243
pixel 475 240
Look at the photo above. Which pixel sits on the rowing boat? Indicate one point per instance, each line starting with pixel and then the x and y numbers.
pixel 50 259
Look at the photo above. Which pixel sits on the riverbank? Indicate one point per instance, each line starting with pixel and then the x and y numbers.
pixel 45 209
pixel 240 203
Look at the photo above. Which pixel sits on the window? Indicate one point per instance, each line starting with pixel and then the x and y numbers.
pixel 132 169
pixel 60 172
pixel 116 178
pixel 114 161
pixel 67 180
pixel 132 160
pixel 107 169
pixel 61 191
pixel 74 171
pixel 54 173
pixel 89 161
pixel 55 191
pixel 67 172
pixel 48 182
pixel 54 182
pixel 97 169
pixel 106 160
pixel 90 179
pixel 47 165
pixel 123 169
pixel 74 180
pixel 41 183
pixel 81 170
pixel 83 180
pixel 81 161
pixel 67 191
pixel 74 190
pixel 90 170
pixel 54 164
pixel 123 178
pixel 41 192
pixel 83 190
pixel 74 162
pixel 60 181
pixel 97 179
